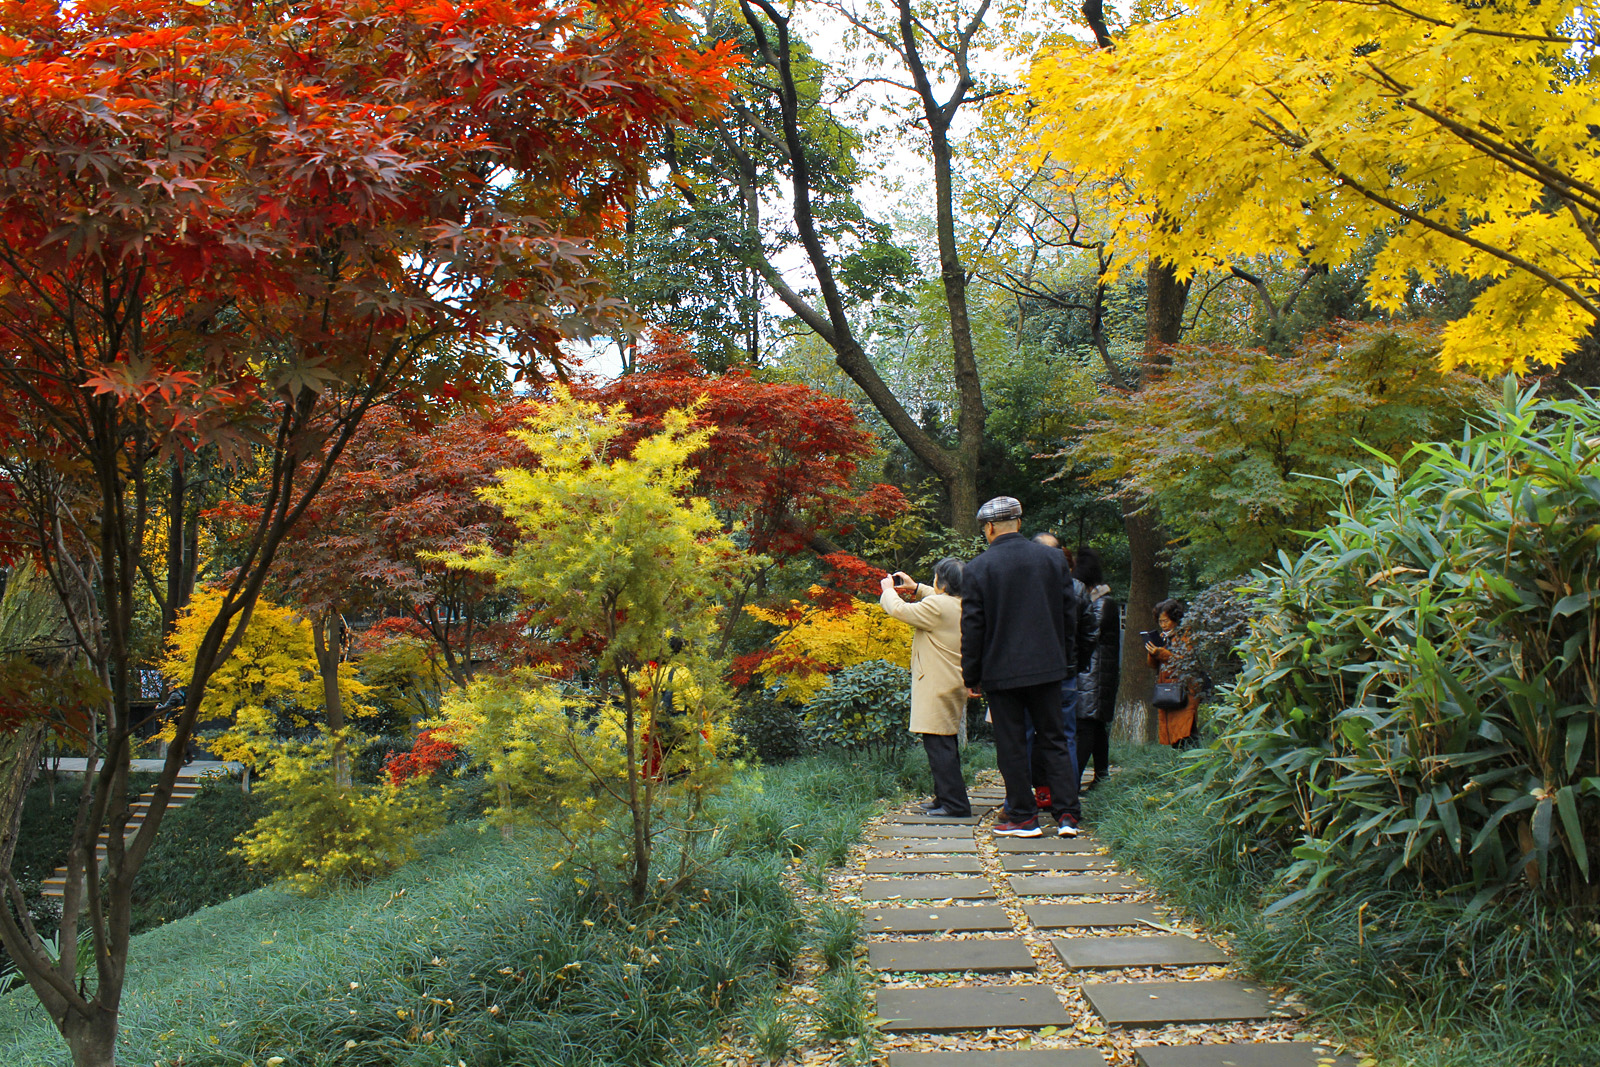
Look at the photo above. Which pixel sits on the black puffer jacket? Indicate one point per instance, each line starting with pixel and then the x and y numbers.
pixel 1097 683
pixel 1019 617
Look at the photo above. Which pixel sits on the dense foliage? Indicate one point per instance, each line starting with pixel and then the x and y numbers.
pixel 1404 977
pixel 863 708
pixel 1420 697
pixel 1460 132
pixel 616 558
pixel 1238 448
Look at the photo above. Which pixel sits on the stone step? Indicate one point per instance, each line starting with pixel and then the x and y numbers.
pixel 1027 863
pixel 1053 1057
pixel 919 819
pixel 1047 843
pixel 1150 1004
pixel 936 920
pixel 1038 885
pixel 1068 916
pixel 926 889
pixel 953 845
pixel 924 865
pixel 1265 1054
pixel 910 830
pixel 1109 953
pixel 979 955
pixel 948 1009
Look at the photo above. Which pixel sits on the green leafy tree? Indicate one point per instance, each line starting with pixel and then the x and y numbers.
pixel 1238 448
pixel 618 561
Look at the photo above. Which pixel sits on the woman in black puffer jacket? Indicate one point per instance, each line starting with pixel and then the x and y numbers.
pixel 1097 684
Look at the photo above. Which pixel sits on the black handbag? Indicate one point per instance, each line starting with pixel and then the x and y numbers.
pixel 1170 696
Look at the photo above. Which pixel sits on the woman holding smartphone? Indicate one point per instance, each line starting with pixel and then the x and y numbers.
pixel 938 695
pixel 1164 647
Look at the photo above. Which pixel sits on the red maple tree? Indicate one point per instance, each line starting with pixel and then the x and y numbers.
pixel 240 227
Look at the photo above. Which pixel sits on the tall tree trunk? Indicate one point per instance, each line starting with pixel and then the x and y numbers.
pixel 1148 584
pixel 1148 580
pixel 326 633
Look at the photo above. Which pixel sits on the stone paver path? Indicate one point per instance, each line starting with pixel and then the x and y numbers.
pixel 1040 952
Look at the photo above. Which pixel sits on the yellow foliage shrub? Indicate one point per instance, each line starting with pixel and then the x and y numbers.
pixel 319 833
pixel 824 640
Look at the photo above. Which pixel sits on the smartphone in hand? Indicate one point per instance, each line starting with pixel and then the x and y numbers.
pixel 1154 637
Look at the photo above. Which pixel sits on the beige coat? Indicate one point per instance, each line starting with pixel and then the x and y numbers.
pixel 938 696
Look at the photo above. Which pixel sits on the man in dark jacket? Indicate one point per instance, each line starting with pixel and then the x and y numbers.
pixel 1019 639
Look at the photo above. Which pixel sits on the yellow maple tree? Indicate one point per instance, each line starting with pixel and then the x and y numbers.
pixel 1459 132
pixel 820 640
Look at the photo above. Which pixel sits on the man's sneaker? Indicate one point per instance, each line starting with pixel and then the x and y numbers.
pixel 1041 797
pixel 1019 828
pixel 1067 825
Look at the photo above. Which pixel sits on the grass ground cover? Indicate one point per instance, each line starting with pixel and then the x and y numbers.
pixel 1412 978
pixel 478 952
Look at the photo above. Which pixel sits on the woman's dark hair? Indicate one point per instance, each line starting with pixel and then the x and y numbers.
pixel 1172 609
pixel 947 574
pixel 1088 571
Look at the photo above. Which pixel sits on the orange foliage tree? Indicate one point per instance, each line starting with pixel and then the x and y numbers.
pixel 241 226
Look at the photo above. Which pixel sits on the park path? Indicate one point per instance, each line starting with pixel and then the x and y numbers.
pixel 1040 952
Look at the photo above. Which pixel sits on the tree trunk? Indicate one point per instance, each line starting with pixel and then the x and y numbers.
pixel 326 633
pixel 1148 584
pixel 1149 579
pixel 92 1041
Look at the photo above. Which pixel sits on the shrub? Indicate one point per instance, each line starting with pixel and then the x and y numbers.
pixel 769 727
pixel 320 833
pixel 1421 698
pixel 864 708
pixel 1216 623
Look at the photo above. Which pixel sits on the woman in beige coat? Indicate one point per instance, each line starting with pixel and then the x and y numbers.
pixel 938 695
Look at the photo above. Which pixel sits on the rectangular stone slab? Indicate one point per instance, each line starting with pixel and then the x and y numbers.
pixel 1038 862
pixel 906 830
pixel 1066 916
pixel 1271 1054
pixel 1053 1057
pixel 931 844
pixel 1162 1003
pixel 956 954
pixel 933 920
pixel 1160 950
pixel 926 888
pixel 1044 885
pixel 933 820
pixel 1049 842
pixel 924 865
pixel 942 1010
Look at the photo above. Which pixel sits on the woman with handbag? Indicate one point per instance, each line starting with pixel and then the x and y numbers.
pixel 1177 699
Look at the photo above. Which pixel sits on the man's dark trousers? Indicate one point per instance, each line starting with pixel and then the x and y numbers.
pixel 1069 725
pixel 944 760
pixel 1010 711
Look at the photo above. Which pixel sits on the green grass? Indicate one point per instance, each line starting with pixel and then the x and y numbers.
pixel 191 865
pixel 1411 977
pixel 478 953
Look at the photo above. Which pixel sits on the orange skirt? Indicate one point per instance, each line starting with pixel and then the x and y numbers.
pixel 1177 724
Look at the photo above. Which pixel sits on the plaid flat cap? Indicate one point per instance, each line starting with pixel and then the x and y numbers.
pixel 1000 509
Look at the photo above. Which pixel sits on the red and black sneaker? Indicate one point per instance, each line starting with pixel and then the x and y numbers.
pixel 1012 827
pixel 1067 825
